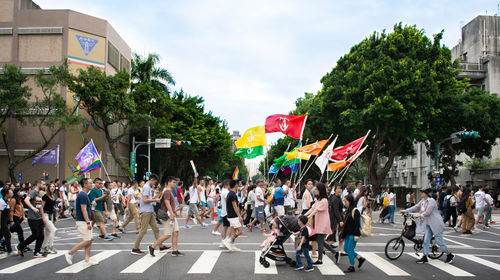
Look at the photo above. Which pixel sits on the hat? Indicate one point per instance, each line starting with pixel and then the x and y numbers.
pixel 427 191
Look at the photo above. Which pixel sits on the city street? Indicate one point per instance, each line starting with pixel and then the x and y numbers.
pixel 477 257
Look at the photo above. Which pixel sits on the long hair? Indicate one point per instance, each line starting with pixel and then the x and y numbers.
pixel 322 191
pixel 50 193
pixel 350 199
pixel 360 194
pixel 16 196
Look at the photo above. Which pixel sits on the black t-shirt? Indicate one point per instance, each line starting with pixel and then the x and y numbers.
pixel 231 196
pixel 304 232
pixel 49 204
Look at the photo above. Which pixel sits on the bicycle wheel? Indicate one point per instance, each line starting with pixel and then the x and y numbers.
pixel 434 249
pixel 394 248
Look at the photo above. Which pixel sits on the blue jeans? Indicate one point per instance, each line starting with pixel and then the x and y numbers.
pixel 349 246
pixel 391 213
pixel 439 239
pixel 306 255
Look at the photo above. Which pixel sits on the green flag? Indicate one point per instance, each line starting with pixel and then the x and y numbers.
pixel 250 153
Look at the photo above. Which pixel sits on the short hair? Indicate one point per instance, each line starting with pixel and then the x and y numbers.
pixel 64 182
pixel 106 185
pixel 97 179
pixel 84 181
pixel 227 182
pixel 153 176
pixel 4 192
pixel 303 219
pixel 171 178
pixel 134 183
pixel 37 181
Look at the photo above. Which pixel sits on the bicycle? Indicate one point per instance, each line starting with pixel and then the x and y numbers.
pixel 395 247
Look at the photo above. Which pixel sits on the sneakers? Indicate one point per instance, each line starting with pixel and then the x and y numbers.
pixel 449 258
pixel 69 258
pixel 187 226
pixel 137 252
pixel 337 257
pixel 234 248
pixel 151 251
pixel 299 267
pixel 163 248
pixel 51 250
pixel 20 251
pixel 309 269
pixel 317 263
pixel 40 255
pixel 108 238
pixel 215 233
pixel 91 262
pixel 204 225
pixel 423 260
pixel 115 235
pixel 361 260
pixel 221 245
pixel 121 230
pixel 227 243
pixel 177 254
pixel 350 269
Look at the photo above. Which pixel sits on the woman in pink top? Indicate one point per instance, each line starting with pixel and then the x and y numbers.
pixel 321 221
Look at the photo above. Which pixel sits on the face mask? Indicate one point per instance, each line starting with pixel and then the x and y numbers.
pixel 22 193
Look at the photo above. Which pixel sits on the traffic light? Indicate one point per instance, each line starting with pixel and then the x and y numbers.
pixel 182 143
pixel 45 175
pixel 467 134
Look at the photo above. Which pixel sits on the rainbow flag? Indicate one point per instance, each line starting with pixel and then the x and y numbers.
pixel 236 174
pixel 88 159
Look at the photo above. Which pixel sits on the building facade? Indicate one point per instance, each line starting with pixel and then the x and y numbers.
pixel 479 54
pixel 35 39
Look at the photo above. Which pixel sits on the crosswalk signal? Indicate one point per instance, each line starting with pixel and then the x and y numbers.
pixel 183 143
pixel 467 134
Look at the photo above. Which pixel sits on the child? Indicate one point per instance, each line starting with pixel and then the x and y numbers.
pixel 275 231
pixel 303 246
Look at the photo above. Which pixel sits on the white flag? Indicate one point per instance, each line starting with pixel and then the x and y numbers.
pixel 323 160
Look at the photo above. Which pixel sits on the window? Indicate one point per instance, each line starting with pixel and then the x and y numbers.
pixel 113 56
pixel 124 64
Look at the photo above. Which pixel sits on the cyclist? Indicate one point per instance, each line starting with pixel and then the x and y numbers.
pixel 431 223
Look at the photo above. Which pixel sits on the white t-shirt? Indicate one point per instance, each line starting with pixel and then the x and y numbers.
pixel 3 205
pixel 392 202
pixel 407 197
pixel 193 194
pixel 202 194
pixel 479 196
pixel 130 194
pixel 489 199
pixel 288 196
pixel 223 210
pixel 360 203
pixel 345 192
pixel 114 195
pixel 259 194
pixel 452 199
pixel 355 193
pixel 304 201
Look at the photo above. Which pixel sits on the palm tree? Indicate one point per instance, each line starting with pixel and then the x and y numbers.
pixel 145 70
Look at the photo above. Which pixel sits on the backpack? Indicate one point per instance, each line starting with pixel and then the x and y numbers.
pixel 461 208
pixel 446 203
pixel 186 197
pixel 385 202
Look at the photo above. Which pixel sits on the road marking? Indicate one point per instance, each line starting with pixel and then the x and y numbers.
pixel 260 269
pixel 456 242
pixel 448 268
pixel 30 263
pixel 329 267
pixel 79 266
pixel 480 261
pixel 205 263
pixel 143 264
pixel 382 264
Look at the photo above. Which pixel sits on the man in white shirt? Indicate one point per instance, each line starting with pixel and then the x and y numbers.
pixel 223 213
pixel 131 208
pixel 357 190
pixel 288 198
pixel 259 207
pixel 488 206
pixel 194 194
pixel 479 196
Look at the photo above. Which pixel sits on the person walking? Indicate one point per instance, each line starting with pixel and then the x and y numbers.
pixel 131 208
pixel 335 207
pixel 83 225
pixel 351 232
pixel 322 226
pixel 431 223
pixel 17 214
pixel 392 205
pixel 450 206
pixel 97 198
pixel 170 226
pixel 5 219
pixel 36 221
pixel 49 210
pixel 259 207
pixel 304 246
pixel 233 216
pixel 465 208
pixel 147 215
pixel 307 197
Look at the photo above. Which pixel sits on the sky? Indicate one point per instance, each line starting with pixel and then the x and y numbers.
pixel 251 59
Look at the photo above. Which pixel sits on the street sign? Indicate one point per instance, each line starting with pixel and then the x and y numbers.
pixel 20 176
pixel 132 163
pixel 438 181
pixel 163 143
pixel 148 174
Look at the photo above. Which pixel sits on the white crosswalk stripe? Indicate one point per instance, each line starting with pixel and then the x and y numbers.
pixel 482 261
pixel 329 267
pixel 143 264
pixel 30 263
pixel 260 269
pixel 448 268
pixel 205 263
pixel 79 266
pixel 384 265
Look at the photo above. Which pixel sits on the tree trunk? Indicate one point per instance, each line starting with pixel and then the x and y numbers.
pixel 111 145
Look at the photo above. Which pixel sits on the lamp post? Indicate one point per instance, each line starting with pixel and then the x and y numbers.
pixel 151 101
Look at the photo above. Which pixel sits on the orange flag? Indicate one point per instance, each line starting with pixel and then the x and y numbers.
pixel 314 149
pixel 337 165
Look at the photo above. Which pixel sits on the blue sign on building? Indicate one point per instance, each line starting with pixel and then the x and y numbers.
pixel 86 43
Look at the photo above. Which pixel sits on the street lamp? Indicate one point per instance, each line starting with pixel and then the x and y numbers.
pixel 151 101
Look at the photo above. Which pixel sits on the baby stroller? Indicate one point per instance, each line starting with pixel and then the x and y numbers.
pixel 276 250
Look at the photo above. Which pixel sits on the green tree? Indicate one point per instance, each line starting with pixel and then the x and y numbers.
pixel 146 70
pixel 389 84
pixel 47 113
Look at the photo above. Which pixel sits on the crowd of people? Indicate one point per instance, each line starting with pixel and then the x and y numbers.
pixel 331 217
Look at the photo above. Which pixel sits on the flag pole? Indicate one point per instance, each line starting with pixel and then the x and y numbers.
pixel 58 161
pixel 104 167
pixel 307 169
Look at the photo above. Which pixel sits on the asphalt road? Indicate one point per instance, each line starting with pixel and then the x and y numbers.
pixel 477 257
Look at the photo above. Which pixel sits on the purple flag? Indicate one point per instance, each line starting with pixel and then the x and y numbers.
pixel 51 157
pixel 87 156
pixel 286 170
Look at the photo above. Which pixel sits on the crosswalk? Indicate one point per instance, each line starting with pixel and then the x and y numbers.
pixel 208 260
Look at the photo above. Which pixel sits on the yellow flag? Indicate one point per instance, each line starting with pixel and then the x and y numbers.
pixel 253 137
pixel 295 154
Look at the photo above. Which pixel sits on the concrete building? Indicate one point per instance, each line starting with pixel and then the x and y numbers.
pixel 479 54
pixel 35 39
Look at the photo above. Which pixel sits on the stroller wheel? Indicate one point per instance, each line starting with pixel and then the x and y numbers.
pixel 265 264
pixel 288 260
pixel 262 260
pixel 293 263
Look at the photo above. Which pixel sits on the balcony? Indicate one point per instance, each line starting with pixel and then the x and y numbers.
pixel 473 71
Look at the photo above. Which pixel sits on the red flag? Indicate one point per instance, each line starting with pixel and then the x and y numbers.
pixel 340 154
pixel 290 125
